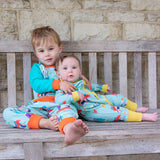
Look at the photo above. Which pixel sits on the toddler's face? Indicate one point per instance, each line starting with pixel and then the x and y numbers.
pixel 69 69
pixel 48 53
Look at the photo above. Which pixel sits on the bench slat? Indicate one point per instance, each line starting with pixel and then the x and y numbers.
pixel 79 56
pixel 123 73
pixel 26 81
pixel 93 67
pixel 108 69
pixel 33 151
pixel 152 81
pixel 87 46
pixel 138 78
pixel 11 76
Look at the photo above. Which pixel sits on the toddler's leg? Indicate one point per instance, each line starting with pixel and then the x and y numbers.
pixel 21 117
pixel 51 123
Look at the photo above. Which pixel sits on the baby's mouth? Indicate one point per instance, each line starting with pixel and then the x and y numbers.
pixel 70 76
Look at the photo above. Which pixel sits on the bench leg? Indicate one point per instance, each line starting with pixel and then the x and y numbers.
pixel 33 151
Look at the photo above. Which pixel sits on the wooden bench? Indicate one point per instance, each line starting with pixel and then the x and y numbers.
pixel 117 138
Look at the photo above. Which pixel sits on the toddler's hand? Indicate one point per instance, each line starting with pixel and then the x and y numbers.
pixel 66 86
pixel 87 83
pixel 81 96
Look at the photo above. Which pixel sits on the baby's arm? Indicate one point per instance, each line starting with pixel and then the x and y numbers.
pixel 99 87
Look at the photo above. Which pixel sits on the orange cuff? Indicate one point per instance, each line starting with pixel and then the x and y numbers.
pixel 33 122
pixel 64 122
pixel 55 84
pixel 45 99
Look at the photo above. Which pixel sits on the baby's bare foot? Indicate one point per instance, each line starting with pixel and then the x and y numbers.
pixel 51 123
pixel 149 117
pixel 73 131
pixel 142 109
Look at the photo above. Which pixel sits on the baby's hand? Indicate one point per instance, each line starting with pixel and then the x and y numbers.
pixel 108 88
pixel 87 83
pixel 67 87
pixel 81 96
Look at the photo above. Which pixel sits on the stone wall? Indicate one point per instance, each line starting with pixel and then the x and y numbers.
pixel 80 20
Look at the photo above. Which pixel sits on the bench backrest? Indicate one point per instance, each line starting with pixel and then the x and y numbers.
pixel 92 48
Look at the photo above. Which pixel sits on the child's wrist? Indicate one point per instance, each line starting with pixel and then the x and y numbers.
pixel 75 96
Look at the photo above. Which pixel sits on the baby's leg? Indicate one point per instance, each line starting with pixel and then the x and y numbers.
pixel 149 117
pixel 73 131
pixel 51 123
pixel 142 109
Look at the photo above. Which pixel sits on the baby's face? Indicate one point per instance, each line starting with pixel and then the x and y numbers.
pixel 69 69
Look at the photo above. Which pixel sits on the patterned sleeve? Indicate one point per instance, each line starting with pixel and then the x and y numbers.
pixel 62 98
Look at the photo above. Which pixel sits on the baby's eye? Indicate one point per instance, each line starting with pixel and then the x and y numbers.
pixel 65 68
pixel 74 67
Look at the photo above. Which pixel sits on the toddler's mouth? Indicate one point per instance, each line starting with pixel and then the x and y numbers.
pixel 49 59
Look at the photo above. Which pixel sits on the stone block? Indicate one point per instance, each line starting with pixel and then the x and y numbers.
pixel 20 4
pixel 150 5
pixel 141 31
pixel 88 31
pixel 126 17
pixel 57 4
pixel 87 16
pixel 30 20
pixel 9 25
pixel 106 5
pixel 153 17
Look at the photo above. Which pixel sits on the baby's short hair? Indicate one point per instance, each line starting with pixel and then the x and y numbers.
pixel 64 56
pixel 44 34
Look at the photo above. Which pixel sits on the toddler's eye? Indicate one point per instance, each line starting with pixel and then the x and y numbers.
pixel 41 51
pixel 74 67
pixel 51 49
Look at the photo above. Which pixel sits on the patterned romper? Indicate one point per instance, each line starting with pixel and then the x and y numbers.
pixel 100 108
pixel 44 82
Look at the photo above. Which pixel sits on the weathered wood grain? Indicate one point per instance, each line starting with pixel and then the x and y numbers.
pixel 93 67
pixel 11 77
pixel 26 81
pixel 138 78
pixel 108 69
pixel 123 73
pixel 86 46
pixel 152 80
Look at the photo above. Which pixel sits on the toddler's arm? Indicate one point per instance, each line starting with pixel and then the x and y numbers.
pixel 66 86
pixel 39 84
pixel 87 83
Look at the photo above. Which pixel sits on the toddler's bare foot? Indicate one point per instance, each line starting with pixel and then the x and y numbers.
pixel 73 131
pixel 149 117
pixel 142 109
pixel 51 123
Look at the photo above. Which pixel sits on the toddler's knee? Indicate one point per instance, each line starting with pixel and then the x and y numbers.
pixel 6 113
